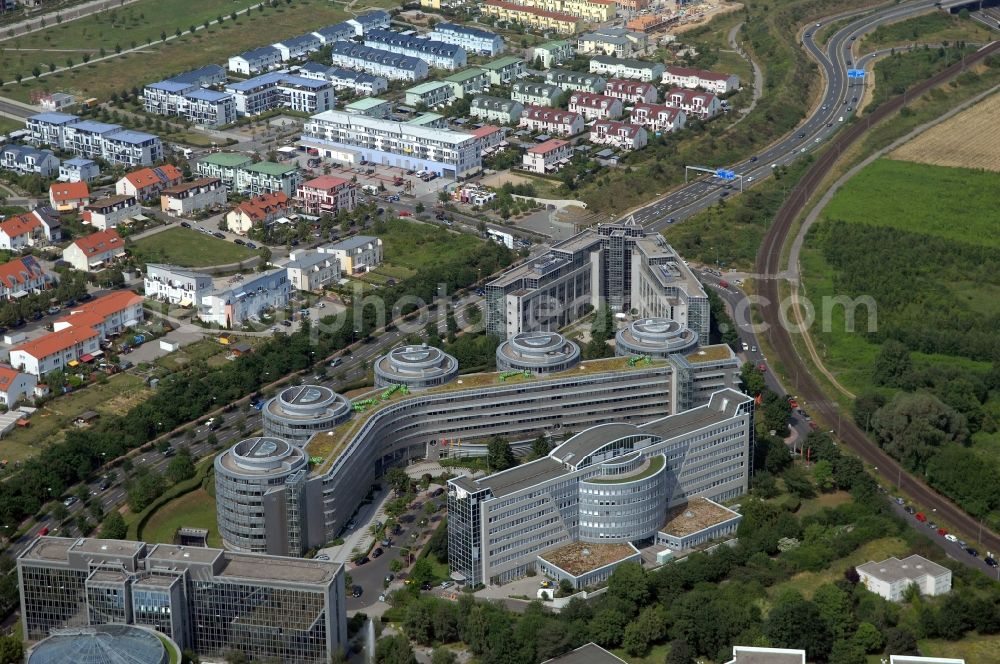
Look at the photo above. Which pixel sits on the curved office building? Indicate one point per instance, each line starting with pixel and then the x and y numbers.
pixel 655 337
pixel 105 644
pixel 249 478
pixel 537 352
pixel 626 501
pixel 299 412
pixel 416 367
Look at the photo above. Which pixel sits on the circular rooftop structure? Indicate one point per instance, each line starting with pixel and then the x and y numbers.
pixel 105 644
pixel 537 352
pixel 299 412
pixel 263 454
pixel 417 367
pixel 656 337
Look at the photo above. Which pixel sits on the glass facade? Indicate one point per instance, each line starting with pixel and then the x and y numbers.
pixel 52 598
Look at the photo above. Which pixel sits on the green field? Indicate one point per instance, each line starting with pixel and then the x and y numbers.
pixel 419 246
pixel 188 248
pixel 195 509
pixel 199 352
pixel 159 60
pixel 972 648
pixel 952 203
pixel 934 28
pixel 9 124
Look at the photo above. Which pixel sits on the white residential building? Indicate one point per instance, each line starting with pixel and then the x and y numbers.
pixel 256 60
pixel 371 21
pixel 335 33
pixel 281 90
pixel 191 102
pixel 638 70
pixel 551 121
pixel 55 351
pixel 30 229
pixel 468 82
pixel 552 53
pixel 27 160
pixel 704 105
pixel 87 138
pixel 299 46
pixel 378 62
pixel 891 577
pixel 618 42
pixel 631 92
pixel 176 285
pixel 312 270
pixel 78 169
pixel 95 251
pixel 200 194
pixel 496 109
pixel 504 71
pixel 357 254
pixel 619 135
pixel 472 40
pixel 658 118
pixel 358 82
pixel 435 53
pixel 107 315
pixel 686 77
pixel 594 106
pixel 547 157
pixel 16 386
pixel 442 151
pixel 430 94
pixel 266 291
pixel 530 93
pixel 111 211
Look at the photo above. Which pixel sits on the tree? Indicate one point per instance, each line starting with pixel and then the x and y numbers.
pixel 601 330
pixel 797 482
pixel 900 641
pixel 835 607
pixel 823 475
pixel 865 406
pixel 394 650
pixel 540 447
pixel 913 425
pixel 419 207
pixel 680 653
pixel 11 650
pixel 180 468
pixel 114 526
pixel 499 455
pixel 846 651
pixel 868 638
pixel 443 656
pixel 418 623
pixel 796 623
pixel 892 364
pixel 397 480
pixel 650 626
pixel 752 379
pixel 607 628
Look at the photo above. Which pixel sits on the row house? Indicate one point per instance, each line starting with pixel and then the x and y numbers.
pixel 468 82
pixel 658 118
pixel 591 11
pixel 26 160
pixel 618 42
pixel 281 90
pixel 30 229
pixel 203 76
pixel 532 17
pixel 504 71
pixel 312 270
pixel 260 210
pixel 553 53
pixel 435 53
pixel 326 195
pixel 551 121
pixel 95 251
pixel 334 33
pixel 536 94
pixel 78 169
pixel 496 109
pixel 574 80
pixel 23 276
pixel 374 20
pixel 357 82
pixel 638 70
pixel 430 94
pixel 110 212
pixel 621 135
pixel 200 194
pixel 704 105
pixel 294 48
pixel 255 60
pixel 472 40
pixel 86 138
pixel 594 106
pixel 433 120
pixel 489 137
pixel 378 62
pixel 686 77
pixel 68 196
pixel 547 157
pixel 147 183
pixel 108 315
pixel 55 351
pixel 631 92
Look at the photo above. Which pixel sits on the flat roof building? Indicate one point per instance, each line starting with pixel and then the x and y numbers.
pixel 891 577
pixel 416 367
pixel 297 413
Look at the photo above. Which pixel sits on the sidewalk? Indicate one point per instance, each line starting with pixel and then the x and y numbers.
pixel 360 538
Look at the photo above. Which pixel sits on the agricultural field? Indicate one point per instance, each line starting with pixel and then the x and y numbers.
pixel 188 248
pixel 935 28
pixel 959 141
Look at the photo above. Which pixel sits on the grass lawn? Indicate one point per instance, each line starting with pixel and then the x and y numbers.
pixel 807 582
pixel 10 124
pixel 656 655
pixel 972 648
pixel 933 28
pixel 137 24
pixel 418 246
pixel 216 44
pixel 953 203
pixel 188 248
pixel 822 501
pixel 195 509
pixel 199 351
pixel 115 397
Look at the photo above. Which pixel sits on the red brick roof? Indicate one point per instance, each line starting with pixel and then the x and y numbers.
pixel 325 182
pixel 56 342
pixel 20 224
pixel 7 376
pixel 68 191
pixel 100 242
pixel 592 100
pixel 485 130
pixel 544 113
pixel 260 207
pixel 147 177
pixel 547 146
pixel 19 270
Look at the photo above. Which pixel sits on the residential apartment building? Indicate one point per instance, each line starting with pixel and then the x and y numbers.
pixel 890 578
pixel 490 138
pixel 619 135
pixel 231 307
pixel 23 276
pixel 532 17
pixel 189 101
pixel 312 270
pixel 551 121
pixel 448 153
pixel 260 210
pixel 299 46
pixel 618 42
pixel 326 195
pixel 430 94
pixel 373 107
pixel 86 138
pixel 574 80
pixel 281 90
pixel 37 228
pixel 504 71
pixel 175 285
pixel 631 92
pixel 209 601
pixel 238 173
pixel 436 54
pixel 78 169
pixel 203 76
pixel 200 194
pixel 222 165
pixel 620 265
pixel 594 106
pixel 703 105
pixel 16 387
pixel 110 212
pixel 67 196
pixel 468 82
pixel 611 483
pixel 108 315
pixel 496 109
pixel 658 118
pixel 547 157
pixel 378 62
pixel 530 93
pixel 357 254
pixel 552 53
pixel 374 20
pixel 146 184
pixel 255 60
pixel 335 33
pixel 429 120
pixel 358 82
pixel 55 351
pixel 685 77
pixel 26 160
pixel 472 40
pixel 93 252
pixel 637 70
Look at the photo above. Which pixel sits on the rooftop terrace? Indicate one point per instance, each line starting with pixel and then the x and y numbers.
pixel 578 558
pixel 698 514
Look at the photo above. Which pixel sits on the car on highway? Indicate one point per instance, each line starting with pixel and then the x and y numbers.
pixel 72 500
pixel 44 531
pixel 753 159
pixel 802 134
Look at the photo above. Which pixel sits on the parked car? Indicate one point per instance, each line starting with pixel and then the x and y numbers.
pixel 972 552
pixel 377 552
pixel 251 245
pixel 920 516
pixel 219 235
pixel 389 577
pixel 185 224
pixel 356 591
pixel 239 241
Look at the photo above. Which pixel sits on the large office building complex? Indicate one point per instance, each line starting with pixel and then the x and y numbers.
pixel 623 265
pixel 611 484
pixel 211 601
